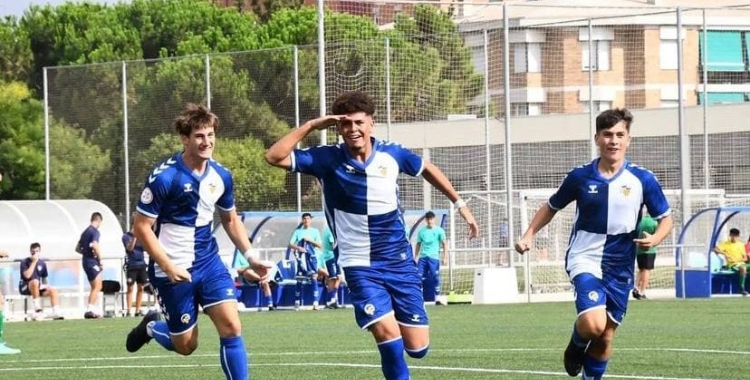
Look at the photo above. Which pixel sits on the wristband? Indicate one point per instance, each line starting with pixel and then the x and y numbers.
pixel 459 203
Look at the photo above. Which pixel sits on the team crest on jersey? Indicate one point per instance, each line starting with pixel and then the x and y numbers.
pixel 383 170
pixel 625 190
pixel 593 189
pixel 594 296
pixel 369 309
pixel 185 319
pixel 211 188
pixel 188 188
pixel 147 196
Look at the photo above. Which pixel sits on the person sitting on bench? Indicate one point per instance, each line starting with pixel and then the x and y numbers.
pixel 34 283
pixel 734 255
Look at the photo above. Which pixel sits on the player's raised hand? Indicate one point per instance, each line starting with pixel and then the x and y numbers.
pixel 326 121
pixel 176 274
pixel 262 268
pixel 465 213
pixel 523 245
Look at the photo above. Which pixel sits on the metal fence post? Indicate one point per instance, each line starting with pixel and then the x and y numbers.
pixel 126 157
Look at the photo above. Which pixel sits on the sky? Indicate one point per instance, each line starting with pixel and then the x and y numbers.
pixel 16 7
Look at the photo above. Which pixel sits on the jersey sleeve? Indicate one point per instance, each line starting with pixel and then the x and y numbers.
pixel 408 161
pixel 441 236
pixel 154 194
pixel 226 201
pixel 565 194
pixel 654 198
pixel 95 236
pixel 312 160
pixel 294 239
pixel 420 240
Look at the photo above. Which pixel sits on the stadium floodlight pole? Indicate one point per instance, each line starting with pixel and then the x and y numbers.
pixel 684 137
pixel 46 135
pixel 704 72
pixel 388 87
pixel 126 156
pixel 592 122
pixel 508 140
pixel 208 81
pixel 487 142
pixel 295 58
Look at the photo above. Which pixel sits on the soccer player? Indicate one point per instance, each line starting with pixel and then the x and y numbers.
pixel 174 223
pixel 358 179
pixel 135 272
pixel 33 283
pixel 645 258
pixel 734 255
pixel 88 247
pixel 303 238
pixel 430 239
pixel 609 193
pixel 4 348
pixel 331 269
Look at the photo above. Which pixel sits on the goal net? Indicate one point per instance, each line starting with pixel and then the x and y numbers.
pixel 541 273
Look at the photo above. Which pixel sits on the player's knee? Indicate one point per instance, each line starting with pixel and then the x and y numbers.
pixel 187 348
pixel 418 353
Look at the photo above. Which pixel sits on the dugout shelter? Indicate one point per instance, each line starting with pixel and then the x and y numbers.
pixel 699 271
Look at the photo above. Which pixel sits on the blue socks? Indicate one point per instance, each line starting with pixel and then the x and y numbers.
pixel 593 369
pixel 578 340
pixel 233 358
pixel 316 290
pixel 331 296
pixel 392 359
pixel 160 333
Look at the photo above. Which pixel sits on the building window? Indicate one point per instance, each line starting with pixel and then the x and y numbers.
pixel 601 56
pixel 599 105
pixel 526 109
pixel 668 47
pixel 527 58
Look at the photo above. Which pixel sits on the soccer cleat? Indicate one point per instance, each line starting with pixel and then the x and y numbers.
pixel 573 359
pixel 5 350
pixel 637 295
pixel 138 313
pixel 744 293
pixel 138 336
pixel 91 315
pixel 271 307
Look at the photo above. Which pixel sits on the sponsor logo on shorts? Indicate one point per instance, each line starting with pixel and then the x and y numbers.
pixel 594 296
pixel 185 319
pixel 369 309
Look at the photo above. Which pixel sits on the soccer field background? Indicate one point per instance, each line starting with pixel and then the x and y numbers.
pixel 665 339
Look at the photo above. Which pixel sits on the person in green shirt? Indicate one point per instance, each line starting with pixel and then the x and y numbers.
pixel 247 273
pixel 307 263
pixel 330 270
pixel 430 239
pixel 644 257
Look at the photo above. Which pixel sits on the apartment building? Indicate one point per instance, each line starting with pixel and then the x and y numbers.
pixel 632 57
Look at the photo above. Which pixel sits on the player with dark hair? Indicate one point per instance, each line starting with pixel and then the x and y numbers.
pixel 91 260
pixel 33 283
pixel 360 190
pixel 430 239
pixel 609 193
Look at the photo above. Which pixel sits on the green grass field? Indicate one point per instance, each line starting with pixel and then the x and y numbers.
pixel 672 339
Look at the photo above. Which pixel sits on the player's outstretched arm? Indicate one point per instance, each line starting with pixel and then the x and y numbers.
pixel 436 178
pixel 542 217
pixel 143 231
pixel 279 153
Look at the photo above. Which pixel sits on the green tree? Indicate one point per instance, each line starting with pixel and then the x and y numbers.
pixel 75 163
pixel 15 51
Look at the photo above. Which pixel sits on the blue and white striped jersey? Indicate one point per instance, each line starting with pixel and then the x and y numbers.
pixel 361 200
pixel 607 216
pixel 183 204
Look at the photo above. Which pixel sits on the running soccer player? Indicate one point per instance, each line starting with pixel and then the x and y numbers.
pixel 358 179
pixel 174 223
pixel 609 193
